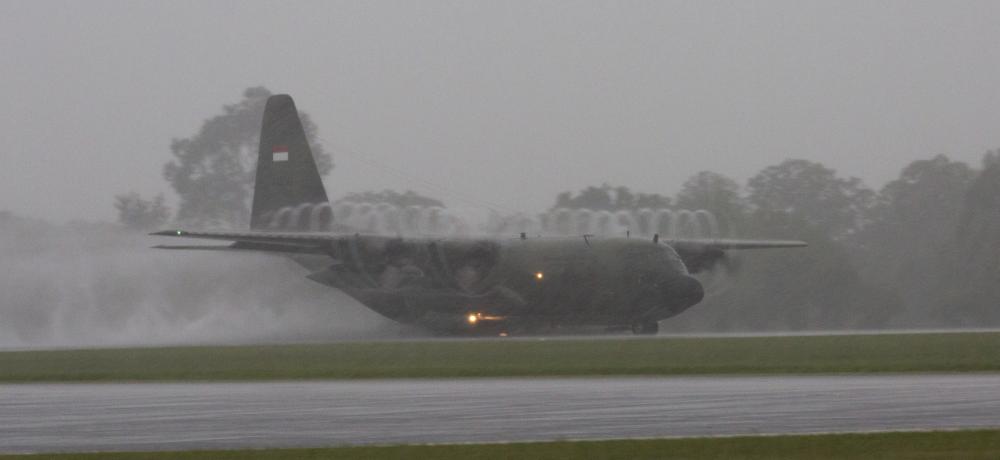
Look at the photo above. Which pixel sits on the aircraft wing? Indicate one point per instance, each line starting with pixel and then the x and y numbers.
pixel 703 254
pixel 299 238
pixel 320 242
pixel 727 244
pixel 268 241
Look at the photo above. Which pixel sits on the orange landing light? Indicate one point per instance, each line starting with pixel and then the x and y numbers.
pixel 539 276
pixel 472 318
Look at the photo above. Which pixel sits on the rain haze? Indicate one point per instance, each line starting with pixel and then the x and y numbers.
pixel 499 102
pixel 511 107
pixel 268 224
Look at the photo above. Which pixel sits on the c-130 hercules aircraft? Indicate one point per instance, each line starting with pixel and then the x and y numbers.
pixel 463 284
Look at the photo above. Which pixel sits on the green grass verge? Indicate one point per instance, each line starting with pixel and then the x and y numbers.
pixel 980 444
pixel 890 353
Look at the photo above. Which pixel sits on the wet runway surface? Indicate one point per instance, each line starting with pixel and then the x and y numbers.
pixel 178 416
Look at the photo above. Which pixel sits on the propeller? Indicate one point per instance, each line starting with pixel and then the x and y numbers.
pixel 713 262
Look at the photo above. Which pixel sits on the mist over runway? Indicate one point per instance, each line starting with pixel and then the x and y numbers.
pixel 97 417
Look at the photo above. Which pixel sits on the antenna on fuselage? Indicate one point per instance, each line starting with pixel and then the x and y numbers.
pixel 656 238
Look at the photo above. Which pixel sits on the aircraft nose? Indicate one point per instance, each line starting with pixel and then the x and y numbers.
pixel 685 291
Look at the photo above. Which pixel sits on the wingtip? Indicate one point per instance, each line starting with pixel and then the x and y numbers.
pixel 791 244
pixel 168 233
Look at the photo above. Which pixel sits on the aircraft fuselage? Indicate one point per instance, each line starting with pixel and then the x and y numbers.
pixel 455 284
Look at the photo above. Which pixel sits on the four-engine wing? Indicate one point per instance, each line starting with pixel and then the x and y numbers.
pixel 299 241
pixel 703 254
pixel 727 244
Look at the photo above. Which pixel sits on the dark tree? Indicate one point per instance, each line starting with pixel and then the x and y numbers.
pixel 969 280
pixel 652 201
pixel 137 213
pixel 716 193
pixel 983 196
pixel 926 198
pixel 910 228
pixel 609 198
pixel 213 170
pixel 813 193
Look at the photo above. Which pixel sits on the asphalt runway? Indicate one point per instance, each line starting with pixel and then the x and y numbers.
pixel 179 416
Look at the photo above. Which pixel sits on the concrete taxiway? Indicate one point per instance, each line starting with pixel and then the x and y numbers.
pixel 179 416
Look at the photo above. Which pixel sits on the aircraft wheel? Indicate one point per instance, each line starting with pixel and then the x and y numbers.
pixel 646 328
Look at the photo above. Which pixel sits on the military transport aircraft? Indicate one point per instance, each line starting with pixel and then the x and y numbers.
pixel 456 284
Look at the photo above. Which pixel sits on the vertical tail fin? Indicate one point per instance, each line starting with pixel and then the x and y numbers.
pixel 287 178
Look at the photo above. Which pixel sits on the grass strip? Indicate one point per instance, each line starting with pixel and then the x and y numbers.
pixel 888 353
pixel 972 445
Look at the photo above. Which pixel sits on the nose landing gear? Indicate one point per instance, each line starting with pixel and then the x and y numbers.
pixel 645 327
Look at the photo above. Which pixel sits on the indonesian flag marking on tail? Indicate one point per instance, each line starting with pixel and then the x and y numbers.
pixel 279 153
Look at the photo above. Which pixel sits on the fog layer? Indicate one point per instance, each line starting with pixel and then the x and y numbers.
pixel 90 285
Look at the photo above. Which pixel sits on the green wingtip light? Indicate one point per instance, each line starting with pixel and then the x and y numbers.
pixel 179 232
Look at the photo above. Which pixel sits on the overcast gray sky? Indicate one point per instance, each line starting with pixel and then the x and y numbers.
pixel 502 102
